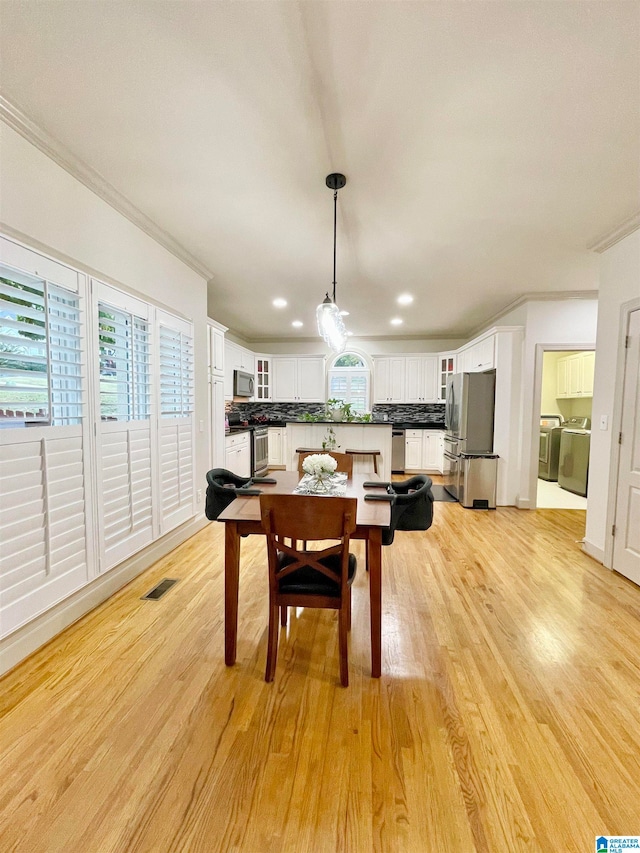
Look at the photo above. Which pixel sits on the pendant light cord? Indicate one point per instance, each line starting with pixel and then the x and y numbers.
pixel 335 219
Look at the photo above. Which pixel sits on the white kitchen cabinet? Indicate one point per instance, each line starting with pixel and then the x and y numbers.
pixel 217 449
pixel 447 361
pixel 389 379
pixel 575 375
pixel 479 356
pixel 277 450
pixel 216 349
pixel 298 380
pixel 421 379
pixel 423 450
pixel 238 454
pixel 413 450
pixel 263 378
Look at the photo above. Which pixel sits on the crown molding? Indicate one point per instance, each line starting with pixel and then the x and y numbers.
pixel 551 296
pixel 15 118
pixel 623 230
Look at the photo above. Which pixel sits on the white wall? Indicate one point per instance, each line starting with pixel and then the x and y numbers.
pixel 619 285
pixel 45 207
pixel 567 324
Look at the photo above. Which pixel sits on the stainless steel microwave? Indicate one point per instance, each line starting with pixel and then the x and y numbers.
pixel 242 384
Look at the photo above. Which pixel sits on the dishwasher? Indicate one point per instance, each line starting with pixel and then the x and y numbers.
pixel 397 451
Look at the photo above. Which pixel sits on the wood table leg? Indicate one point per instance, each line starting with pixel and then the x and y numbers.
pixel 374 550
pixel 231 582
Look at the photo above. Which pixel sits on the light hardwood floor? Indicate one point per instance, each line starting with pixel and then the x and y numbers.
pixel 507 717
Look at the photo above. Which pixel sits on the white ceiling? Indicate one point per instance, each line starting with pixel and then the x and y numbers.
pixel 486 144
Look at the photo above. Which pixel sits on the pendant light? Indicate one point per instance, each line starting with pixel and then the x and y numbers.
pixel 330 325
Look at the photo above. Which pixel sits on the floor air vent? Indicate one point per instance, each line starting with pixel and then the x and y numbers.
pixel 159 589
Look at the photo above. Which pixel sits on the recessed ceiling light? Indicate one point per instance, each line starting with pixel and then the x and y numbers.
pixel 344 313
pixel 405 299
pixel 397 321
pixel 297 323
pixel 279 302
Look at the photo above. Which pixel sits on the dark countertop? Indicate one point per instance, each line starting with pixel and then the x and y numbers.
pixel 410 425
pixel 238 429
pixel 395 425
pixel 341 423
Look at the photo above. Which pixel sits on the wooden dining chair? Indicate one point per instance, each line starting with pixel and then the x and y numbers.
pixel 345 463
pixel 301 578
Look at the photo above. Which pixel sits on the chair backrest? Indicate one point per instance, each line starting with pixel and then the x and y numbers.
pixel 308 517
pixel 345 462
pixel 301 517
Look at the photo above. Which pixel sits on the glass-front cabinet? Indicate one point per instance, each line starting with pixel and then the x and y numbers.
pixel 447 369
pixel 263 378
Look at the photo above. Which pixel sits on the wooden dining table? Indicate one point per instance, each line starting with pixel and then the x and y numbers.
pixel 242 517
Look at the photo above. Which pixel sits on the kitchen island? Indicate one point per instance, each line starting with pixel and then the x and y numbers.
pixel 354 435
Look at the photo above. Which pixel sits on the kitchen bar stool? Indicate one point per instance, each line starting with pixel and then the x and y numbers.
pixel 373 453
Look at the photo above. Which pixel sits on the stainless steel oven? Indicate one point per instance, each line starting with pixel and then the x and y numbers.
pixel 260 454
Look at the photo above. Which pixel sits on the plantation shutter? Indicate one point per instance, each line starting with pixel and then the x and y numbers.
pixel 43 457
pixel 350 386
pixel 41 369
pixel 176 427
pixel 43 525
pixel 125 440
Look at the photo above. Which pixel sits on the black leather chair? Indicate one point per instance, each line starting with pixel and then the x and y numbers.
pixel 221 490
pixel 412 508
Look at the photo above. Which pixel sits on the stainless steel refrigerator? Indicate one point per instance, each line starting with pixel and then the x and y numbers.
pixel 469 415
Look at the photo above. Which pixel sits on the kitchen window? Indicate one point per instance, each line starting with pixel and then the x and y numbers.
pixel 350 381
pixel 40 355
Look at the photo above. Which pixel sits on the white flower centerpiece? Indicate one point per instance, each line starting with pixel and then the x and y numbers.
pixel 319 466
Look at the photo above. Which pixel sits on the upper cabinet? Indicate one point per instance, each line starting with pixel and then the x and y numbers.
pixel 216 348
pixel 263 378
pixel 477 357
pixel 447 368
pixel 421 379
pixel 575 375
pixel 388 379
pixel 298 380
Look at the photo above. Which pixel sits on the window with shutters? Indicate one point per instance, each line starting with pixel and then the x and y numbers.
pixel 349 381
pixel 125 435
pixel 41 370
pixel 44 538
pixel 176 433
pixel 125 369
pixel 85 487
pixel 176 372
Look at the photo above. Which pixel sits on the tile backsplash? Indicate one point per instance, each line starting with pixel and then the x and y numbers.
pixel 427 413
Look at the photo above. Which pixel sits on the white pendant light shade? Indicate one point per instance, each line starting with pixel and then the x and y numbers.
pixel 330 325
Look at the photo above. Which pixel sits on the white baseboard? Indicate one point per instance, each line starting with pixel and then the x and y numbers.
pixel 523 503
pixel 28 639
pixel 593 551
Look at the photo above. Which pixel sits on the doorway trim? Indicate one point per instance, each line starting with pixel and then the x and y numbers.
pixel 537 399
pixel 616 425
